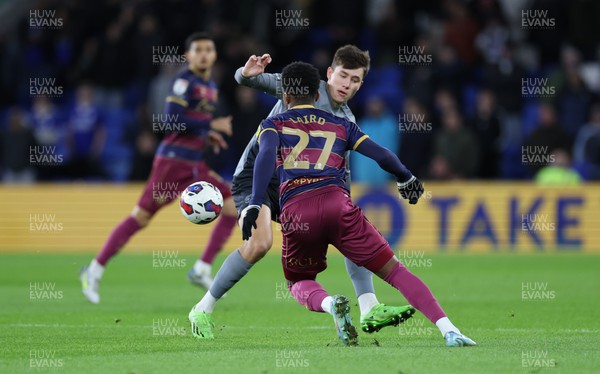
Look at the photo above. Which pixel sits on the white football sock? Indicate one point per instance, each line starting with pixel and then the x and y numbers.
pixel 95 270
pixel 201 267
pixel 445 326
pixel 207 304
pixel 326 304
pixel 366 302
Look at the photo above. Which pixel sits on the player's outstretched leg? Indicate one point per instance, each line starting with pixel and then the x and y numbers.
pixel 234 268
pixel 91 275
pixel 201 273
pixel 373 315
pixel 312 295
pixel 419 295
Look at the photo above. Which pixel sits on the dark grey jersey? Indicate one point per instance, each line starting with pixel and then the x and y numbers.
pixel 271 84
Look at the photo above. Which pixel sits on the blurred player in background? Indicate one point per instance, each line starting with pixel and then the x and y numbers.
pixel 307 147
pixel 179 162
pixel 344 78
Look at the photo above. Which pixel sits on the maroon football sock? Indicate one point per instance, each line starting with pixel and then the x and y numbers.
pixel 117 239
pixel 310 294
pixel 416 292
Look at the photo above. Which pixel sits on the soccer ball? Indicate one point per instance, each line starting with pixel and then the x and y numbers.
pixel 201 203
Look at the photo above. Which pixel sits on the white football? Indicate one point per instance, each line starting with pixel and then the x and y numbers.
pixel 201 203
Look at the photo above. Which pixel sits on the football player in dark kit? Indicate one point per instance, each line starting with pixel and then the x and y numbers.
pixel 307 147
pixel 179 162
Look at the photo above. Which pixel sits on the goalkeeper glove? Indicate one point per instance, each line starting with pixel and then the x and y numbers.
pixel 249 221
pixel 411 190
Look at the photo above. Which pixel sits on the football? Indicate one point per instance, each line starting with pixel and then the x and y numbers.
pixel 201 203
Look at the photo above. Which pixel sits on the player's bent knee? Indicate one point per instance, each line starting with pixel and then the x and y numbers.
pixel 256 248
pixel 142 216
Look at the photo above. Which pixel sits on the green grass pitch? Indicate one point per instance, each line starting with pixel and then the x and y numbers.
pixel 528 313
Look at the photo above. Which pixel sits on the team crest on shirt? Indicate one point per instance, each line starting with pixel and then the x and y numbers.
pixel 180 86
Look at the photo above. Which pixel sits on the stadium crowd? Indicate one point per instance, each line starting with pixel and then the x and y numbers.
pixel 458 89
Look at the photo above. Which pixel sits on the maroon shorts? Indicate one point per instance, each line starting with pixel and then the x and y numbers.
pixel 313 220
pixel 171 176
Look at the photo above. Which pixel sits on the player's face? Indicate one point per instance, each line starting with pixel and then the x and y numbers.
pixel 343 83
pixel 202 54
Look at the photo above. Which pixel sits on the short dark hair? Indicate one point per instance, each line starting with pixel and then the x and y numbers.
pixel 352 57
pixel 199 35
pixel 300 80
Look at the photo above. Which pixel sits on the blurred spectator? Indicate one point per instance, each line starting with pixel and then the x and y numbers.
pixel 147 43
pixel 448 70
pixel 573 96
pixel 486 126
pixel 460 30
pixel 86 136
pixel 247 115
pixel 505 78
pixel 415 149
pixel 15 143
pixel 492 40
pixel 50 130
pixel 547 137
pixel 560 172
pixel 145 142
pixel 456 152
pixel 586 150
pixel 113 69
pixel 382 127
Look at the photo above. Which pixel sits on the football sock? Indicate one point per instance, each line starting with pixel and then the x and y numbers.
pixel 310 294
pixel 218 237
pixel 117 239
pixel 361 277
pixel 445 325
pixel 95 270
pixel 207 304
pixel 326 304
pixel 201 267
pixel 366 302
pixel 233 269
pixel 416 292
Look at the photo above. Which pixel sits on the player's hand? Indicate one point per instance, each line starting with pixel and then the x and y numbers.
pixel 256 65
pixel 411 190
pixel 222 124
pixel 217 141
pixel 249 221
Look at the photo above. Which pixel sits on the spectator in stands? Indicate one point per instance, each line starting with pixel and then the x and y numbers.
pixel 505 79
pixel 486 126
pixel 416 144
pixel 549 135
pixel 144 141
pixel 86 136
pixel 460 30
pixel 15 143
pixel 247 115
pixel 559 172
pixel 574 98
pixel 586 150
pixel 50 130
pixel 382 127
pixel 456 152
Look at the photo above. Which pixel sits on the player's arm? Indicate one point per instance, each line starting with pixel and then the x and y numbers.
pixel 264 164
pixel 409 186
pixel 253 75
